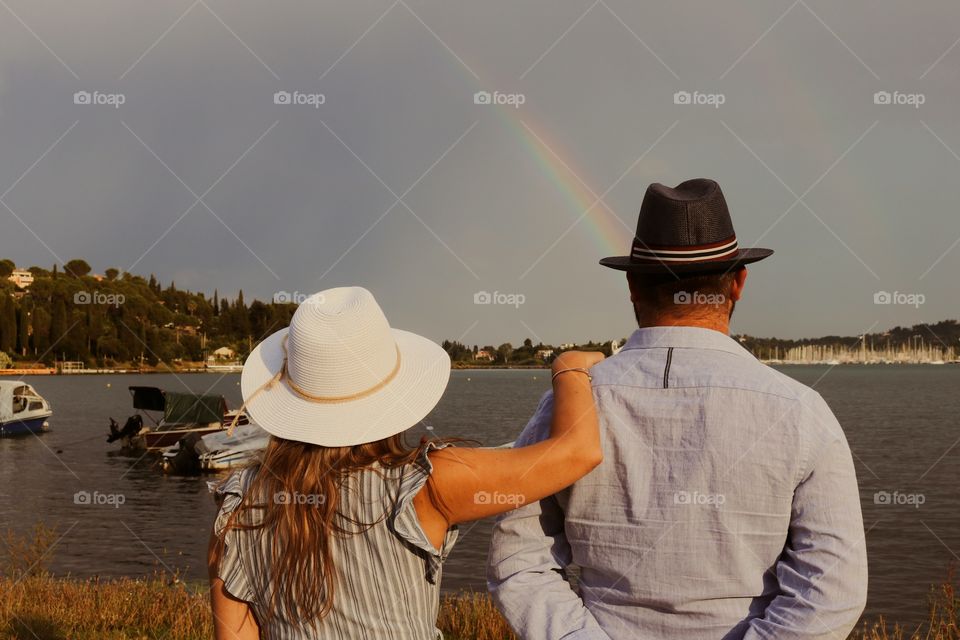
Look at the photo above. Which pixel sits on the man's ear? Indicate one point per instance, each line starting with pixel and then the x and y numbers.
pixel 736 287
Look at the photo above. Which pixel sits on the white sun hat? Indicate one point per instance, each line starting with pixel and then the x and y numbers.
pixel 339 375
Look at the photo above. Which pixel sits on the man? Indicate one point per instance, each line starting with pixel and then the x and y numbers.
pixel 726 505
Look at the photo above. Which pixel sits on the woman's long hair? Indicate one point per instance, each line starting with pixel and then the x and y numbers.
pixel 295 498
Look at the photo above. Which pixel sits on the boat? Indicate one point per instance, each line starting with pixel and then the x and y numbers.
pixel 22 409
pixel 183 414
pixel 218 451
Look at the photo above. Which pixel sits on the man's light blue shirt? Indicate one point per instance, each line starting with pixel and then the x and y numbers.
pixel 726 506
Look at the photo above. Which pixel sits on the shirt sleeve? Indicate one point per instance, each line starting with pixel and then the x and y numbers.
pixel 822 572
pixel 404 521
pixel 229 494
pixel 528 554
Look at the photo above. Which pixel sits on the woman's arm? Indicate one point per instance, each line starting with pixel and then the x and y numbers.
pixel 232 618
pixel 468 484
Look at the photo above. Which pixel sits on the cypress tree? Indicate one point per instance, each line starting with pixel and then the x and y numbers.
pixel 8 324
pixel 58 320
pixel 23 331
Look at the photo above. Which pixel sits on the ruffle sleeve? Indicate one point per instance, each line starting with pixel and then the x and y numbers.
pixel 228 495
pixel 404 521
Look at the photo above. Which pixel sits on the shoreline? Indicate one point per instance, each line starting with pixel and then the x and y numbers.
pixel 456 366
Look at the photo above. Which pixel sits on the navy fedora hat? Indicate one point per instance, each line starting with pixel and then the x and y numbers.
pixel 685 229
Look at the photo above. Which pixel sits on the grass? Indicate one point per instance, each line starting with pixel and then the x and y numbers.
pixel 34 605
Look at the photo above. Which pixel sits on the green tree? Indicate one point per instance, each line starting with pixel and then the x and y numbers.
pixel 112 274
pixel 8 324
pixel 6 267
pixel 23 330
pixel 77 268
pixel 58 321
pixel 240 317
pixel 41 330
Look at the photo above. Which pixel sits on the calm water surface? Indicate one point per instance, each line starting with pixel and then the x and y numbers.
pixel 901 421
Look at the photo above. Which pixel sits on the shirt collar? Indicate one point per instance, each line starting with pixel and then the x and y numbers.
pixel 684 338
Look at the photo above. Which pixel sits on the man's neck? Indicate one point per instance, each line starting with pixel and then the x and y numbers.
pixel 712 322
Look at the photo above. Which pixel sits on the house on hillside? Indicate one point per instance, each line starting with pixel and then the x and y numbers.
pixel 544 354
pixel 225 353
pixel 21 277
pixel 483 354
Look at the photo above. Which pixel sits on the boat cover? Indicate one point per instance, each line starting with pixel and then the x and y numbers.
pixel 147 398
pixel 7 387
pixel 189 408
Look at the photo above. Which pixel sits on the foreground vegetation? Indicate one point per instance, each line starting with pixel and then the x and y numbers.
pixel 39 607
pixel 34 605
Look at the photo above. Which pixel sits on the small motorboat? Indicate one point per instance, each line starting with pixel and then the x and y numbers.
pixel 216 451
pixel 22 409
pixel 183 414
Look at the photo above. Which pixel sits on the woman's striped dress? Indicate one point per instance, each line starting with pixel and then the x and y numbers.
pixel 387 582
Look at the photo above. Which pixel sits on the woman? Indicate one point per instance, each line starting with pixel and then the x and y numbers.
pixel 341 530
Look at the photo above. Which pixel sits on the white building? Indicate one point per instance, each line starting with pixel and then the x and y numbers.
pixel 224 353
pixel 21 277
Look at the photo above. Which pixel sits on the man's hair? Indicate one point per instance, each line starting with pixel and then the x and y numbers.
pixel 680 294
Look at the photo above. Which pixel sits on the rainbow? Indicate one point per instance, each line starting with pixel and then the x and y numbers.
pixel 610 233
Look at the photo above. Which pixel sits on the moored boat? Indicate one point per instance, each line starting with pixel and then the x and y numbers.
pixel 183 414
pixel 216 451
pixel 22 409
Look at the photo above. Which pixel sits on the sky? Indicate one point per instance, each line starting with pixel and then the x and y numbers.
pixel 289 147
